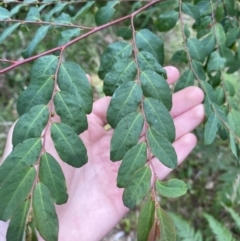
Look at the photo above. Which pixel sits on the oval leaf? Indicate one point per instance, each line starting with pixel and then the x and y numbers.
pixel 196 49
pixel 186 79
pixel 8 31
pixel 211 128
pixel 167 20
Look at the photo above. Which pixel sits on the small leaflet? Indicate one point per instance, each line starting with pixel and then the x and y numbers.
pixel 211 128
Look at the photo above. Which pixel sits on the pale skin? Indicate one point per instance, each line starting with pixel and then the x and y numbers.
pixel 95 203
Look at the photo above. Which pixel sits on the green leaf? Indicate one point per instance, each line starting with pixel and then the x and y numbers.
pixel 196 49
pixel 134 159
pixel 17 224
pixel 31 124
pixel 208 89
pixel 167 228
pixel 233 120
pixel 220 95
pixel 33 14
pixel 198 70
pixel 186 79
pixel 215 62
pixel 158 118
pixel 4 13
pixel 57 8
pixel 31 231
pixel 169 5
pixel 220 12
pixel 228 55
pixel 125 33
pixel 162 148
pixel 124 101
pixel 145 220
pixel 191 10
pixel 51 175
pixel 39 36
pixel 16 9
pixel 8 31
pixel 172 189
pixel 83 10
pixel 105 13
pixel 63 19
pixel 209 43
pixel 69 146
pixel 204 7
pixel 137 188
pixel 167 20
pixel 149 42
pixel 126 135
pixel 179 57
pixel 45 213
pixel 147 61
pixel 155 86
pixel 211 128
pixel 24 154
pixel 115 51
pixel 70 111
pixel 186 31
pixel 232 36
pixel 235 148
pixel 15 190
pixel 220 34
pixel 67 35
pixel 72 79
pixel 229 87
pixel 124 70
pixel 230 7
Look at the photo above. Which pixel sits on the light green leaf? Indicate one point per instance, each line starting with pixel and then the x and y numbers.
pixel 233 120
pixel 16 9
pixel 15 190
pixel 179 57
pixel 18 221
pixel 172 189
pixel 51 175
pixel 124 70
pixel 104 14
pixel 186 79
pixel 45 213
pixel 69 146
pixel 209 43
pixel 215 62
pixel 124 101
pixel 137 188
pixel 198 71
pixel 145 220
pixel 155 86
pixel 33 14
pixel 38 37
pixel 229 88
pixel 4 13
pixel 158 118
pixel 72 79
pixel 70 111
pixel 126 135
pixel 191 10
pixel 149 42
pixel 167 228
pixel 30 124
pixel 204 7
pixel 125 33
pixel 83 9
pixel 196 49
pixel 134 159
pixel 162 148
pixel 167 20
pixel 67 35
pixel 24 154
pixel 63 19
pixel 220 34
pixel 8 31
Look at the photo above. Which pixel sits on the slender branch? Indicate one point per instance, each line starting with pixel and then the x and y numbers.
pixel 94 30
pixel 7 61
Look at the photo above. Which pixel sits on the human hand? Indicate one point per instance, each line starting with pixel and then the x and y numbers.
pixel 95 202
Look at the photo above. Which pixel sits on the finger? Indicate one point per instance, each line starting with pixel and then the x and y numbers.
pixel 186 99
pixel 183 146
pixel 192 117
pixel 172 74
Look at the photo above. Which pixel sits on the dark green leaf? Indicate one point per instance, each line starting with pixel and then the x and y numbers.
pixel 63 19
pixel 51 175
pixel 167 20
pixel 220 14
pixel 57 8
pixel 229 88
pixel 8 31
pixel 123 70
pixel 196 49
pixel 191 10
pixel 83 9
pixel 216 79
pixel 172 189
pixel 232 35
pixel 33 14
pixel 179 57
pixel 223 132
pixel 215 62
pixel 186 79
pixel 30 124
pixel 220 95
pixel 126 135
pixel 167 228
pixel 230 7
pixel 155 86
pixel 125 33
pixel 45 213
pixel 147 61
pixel 162 148
pixel 4 13
pixel 113 52
pixel 145 220
pixel 69 146
pixel 24 154
pixel 209 43
pixel 15 190
pixel 208 89
pixel 70 111
pixel 233 120
pixel 234 145
pixel 220 112
pixel 158 118
pixel 124 101
pixel 105 13
pixel 72 79
pixel 211 128
pixel 18 221
pixel 138 187
pixel 198 70
pixel 134 159
pixel 39 36
pixel 220 34
pixel 187 32
pixel 16 9
pixel 204 7
pixel 168 5
pixel 227 54
pixel 67 35
pixel 149 42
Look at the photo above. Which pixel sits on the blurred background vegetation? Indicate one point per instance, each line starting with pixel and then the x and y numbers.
pixel 211 172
